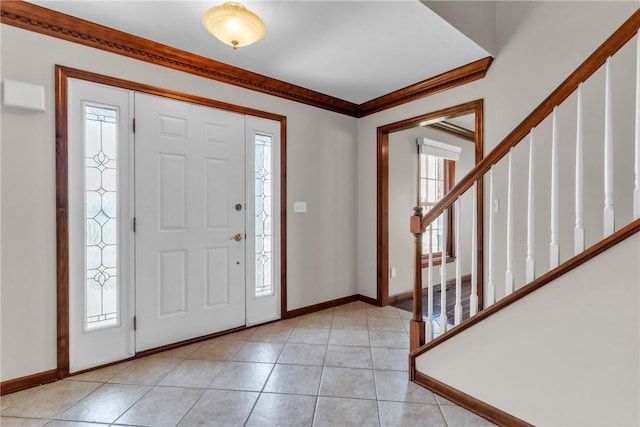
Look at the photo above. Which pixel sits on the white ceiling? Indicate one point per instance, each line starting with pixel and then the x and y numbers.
pixel 353 50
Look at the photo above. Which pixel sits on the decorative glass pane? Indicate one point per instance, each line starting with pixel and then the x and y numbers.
pixel 101 290
pixel 264 212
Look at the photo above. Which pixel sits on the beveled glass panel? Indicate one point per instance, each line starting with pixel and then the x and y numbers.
pixel 263 215
pixel 101 207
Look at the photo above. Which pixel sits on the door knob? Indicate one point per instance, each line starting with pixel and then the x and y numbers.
pixel 237 237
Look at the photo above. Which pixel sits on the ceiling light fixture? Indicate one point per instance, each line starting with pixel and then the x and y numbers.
pixel 234 24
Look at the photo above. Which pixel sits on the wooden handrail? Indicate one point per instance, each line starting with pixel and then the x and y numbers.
pixel 613 44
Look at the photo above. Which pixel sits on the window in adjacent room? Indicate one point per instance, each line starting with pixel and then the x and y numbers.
pixel 436 174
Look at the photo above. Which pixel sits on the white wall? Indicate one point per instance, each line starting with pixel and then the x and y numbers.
pixel 576 365
pixel 321 159
pixel 475 19
pixel 539 45
pixel 403 172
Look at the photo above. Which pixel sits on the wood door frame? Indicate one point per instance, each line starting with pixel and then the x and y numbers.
pixel 382 197
pixel 62 75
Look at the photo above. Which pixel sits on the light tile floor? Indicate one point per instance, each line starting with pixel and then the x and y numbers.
pixel 345 366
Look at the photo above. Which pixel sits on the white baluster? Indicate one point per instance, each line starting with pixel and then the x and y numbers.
pixel 636 186
pixel 429 326
pixel 473 299
pixel 508 277
pixel 491 286
pixel 458 307
pixel 578 232
pixel 530 263
pixel 443 274
pixel 554 246
pixel 608 213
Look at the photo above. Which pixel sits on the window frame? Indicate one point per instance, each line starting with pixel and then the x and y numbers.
pixel 449 179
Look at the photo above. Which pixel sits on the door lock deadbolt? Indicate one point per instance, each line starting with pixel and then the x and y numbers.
pixel 239 207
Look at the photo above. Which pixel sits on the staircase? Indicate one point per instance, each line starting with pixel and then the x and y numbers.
pixel 554 339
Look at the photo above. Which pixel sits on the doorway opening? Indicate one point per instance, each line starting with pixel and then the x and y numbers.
pixel 463 123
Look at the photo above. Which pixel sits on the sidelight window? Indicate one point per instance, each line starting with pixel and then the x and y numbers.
pixel 101 219
pixel 264 215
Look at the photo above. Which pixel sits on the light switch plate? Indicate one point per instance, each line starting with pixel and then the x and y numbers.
pixel 299 207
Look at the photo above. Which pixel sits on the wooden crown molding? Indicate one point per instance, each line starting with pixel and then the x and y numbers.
pixel 458 76
pixel 56 24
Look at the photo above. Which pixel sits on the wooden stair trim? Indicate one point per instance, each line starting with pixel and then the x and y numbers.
pixel 478 407
pixel 567 266
pixel 610 46
pixel 45 21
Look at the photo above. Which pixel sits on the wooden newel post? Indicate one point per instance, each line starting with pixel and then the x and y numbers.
pixel 416 327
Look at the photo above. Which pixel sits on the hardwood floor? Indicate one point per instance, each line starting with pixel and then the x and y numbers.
pixel 451 301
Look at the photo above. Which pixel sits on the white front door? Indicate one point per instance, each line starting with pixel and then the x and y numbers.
pixel 100 238
pixel 190 220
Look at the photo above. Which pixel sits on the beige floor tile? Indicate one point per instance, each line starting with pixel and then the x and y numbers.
pixel 348 357
pixel 147 371
pixel 389 339
pixel 334 363
pixel 105 404
pixel 387 311
pixel 303 354
pixel 333 412
pixel 316 321
pixel 162 406
pixel 404 314
pixel 193 373
pixel 271 334
pixel 395 386
pixel 217 349
pixel 60 423
pixel 240 335
pixel 287 323
pixel 350 322
pixel 349 337
pixel 394 359
pixel 221 408
pixel 13 398
pixel 20 422
pixel 385 324
pixel 394 414
pixel 309 336
pixel 266 352
pixel 51 399
pixel 457 416
pixel 102 375
pixel 180 352
pixel 294 379
pixel 358 308
pixel 347 382
pixel 247 376
pixel 442 401
pixel 282 410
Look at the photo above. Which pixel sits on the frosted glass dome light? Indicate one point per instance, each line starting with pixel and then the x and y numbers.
pixel 234 24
